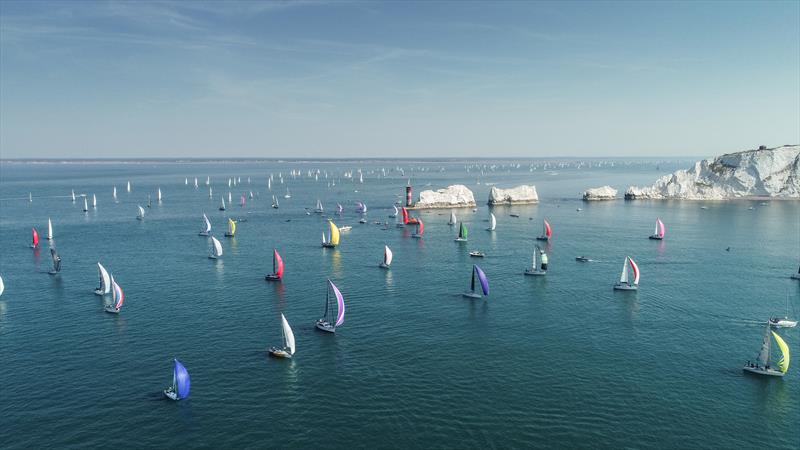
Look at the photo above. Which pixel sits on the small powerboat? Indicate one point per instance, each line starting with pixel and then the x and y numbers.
pixel 583 258
pixel 477 254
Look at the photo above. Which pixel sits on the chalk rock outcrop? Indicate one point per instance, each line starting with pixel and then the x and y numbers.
pixel 766 172
pixel 600 193
pixel 519 195
pixel 455 196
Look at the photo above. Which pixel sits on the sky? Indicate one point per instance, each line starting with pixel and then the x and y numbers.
pixel 122 79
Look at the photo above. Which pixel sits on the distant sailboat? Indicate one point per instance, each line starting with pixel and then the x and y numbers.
pixel 56 261
pixel 140 215
pixel 34 238
pixel 158 195
pixel 206 226
pixel 180 383
pixel 114 194
pixel 785 321
pixel 129 186
pixel 339 209
pixel 288 195
pixel 231 228
pixel 195 182
pixel 186 181
pixel 762 365
pixel 208 180
pixel 288 348
pixel 394 214
pixel 453 219
pixel 275 202
pixel 105 281
pixel 540 270
pixel 472 293
pixel 2 286
pixel 277 267
pixel 547 232
pixel 117 298
pixel 420 229
pixel 210 192
pixel 387 257
pixel 333 236
pixel 216 248
pixel 492 222
pixel 230 198
pixel 658 234
pixel 269 184
pixel 327 323
pixel 49 230
pixel 319 209
pixel 30 197
pixel 149 201
pixel 242 201
pixel 624 283
pixel 94 201
pixel 85 205
pixel 222 203
pixel 73 196
pixel 462 233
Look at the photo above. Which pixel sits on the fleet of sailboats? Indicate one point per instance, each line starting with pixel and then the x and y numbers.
pixel 334 311
pixel 288 348
pixel 181 382
pixel 483 282
pixel 658 234
pixel 628 281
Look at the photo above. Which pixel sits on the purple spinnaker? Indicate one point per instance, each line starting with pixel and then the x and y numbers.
pixel 340 301
pixel 483 280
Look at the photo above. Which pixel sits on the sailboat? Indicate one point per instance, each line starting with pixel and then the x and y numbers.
pixel 483 282
pixel 73 196
pixel 129 186
pixel 783 322
pixel 319 209
pixel 158 195
pixel 34 238
pixel 117 298
pixel 394 214
pixel 658 234
pixel 339 209
pixel 210 192
pixel 462 233
pixel 222 203
pixel 762 365
pixel 420 229
pixel 180 383
pixel 208 180
pixel 242 201
pixel 186 181
pixel 231 228
pixel 149 201
pixel 114 194
pixel 288 341
pixel 796 276
pixel 275 202
pixel 492 222
pixel 547 232
pixel 105 281
pixel 216 248
pixel 195 182
pixel 230 198
pixel 94 201
pixel 140 216
pixel 269 184
pixel 85 205
pixel 452 220
pixel 49 230
pixel 206 226
pixel 30 197
pixel 387 257
pixel 2 286
pixel 534 269
pixel 624 283
pixel 277 267
pixel 56 261
pixel 288 195
pixel 333 236
pixel 326 323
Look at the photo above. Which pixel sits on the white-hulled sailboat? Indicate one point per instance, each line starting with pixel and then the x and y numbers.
pixel 216 248
pixel 105 281
pixel 180 383
pixel 140 215
pixel 785 321
pixel 158 195
pixel 319 209
pixel 129 186
pixel 117 298
pixel 484 282
pixel 387 257
pixel 49 230
pixel 114 194
pixel 288 194
pixel 452 220
pixel 222 203
pixel 230 198
pixel 231 228
pixel 85 205
pixel 288 349
pixel 73 196
pixel 625 283
pixel 94 201
pixel 275 202
pixel 762 365
pixel 2 286
pixel 206 231
pixel 492 222
pixel 210 193
pixel 332 318
pixel 56 262
pixel 658 234
pixel 534 269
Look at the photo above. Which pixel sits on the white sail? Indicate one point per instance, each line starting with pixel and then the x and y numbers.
pixel 230 198
pixel 94 201
pixel 208 223
pixel 763 355
pixel 492 221
pixel 114 194
pixel 49 229
pixel 453 220
pixel 73 196
pixel 129 186
pixel 195 182
pixel 624 277
pixel 85 204
pixel 208 180
pixel 269 184
pixel 387 255
pixel 210 192
pixel 288 336
pixel 217 246
pixel 222 206
pixel 141 212
pixel 533 263
pixel 2 286
pixel 105 279
pixel 186 181
pixel 158 195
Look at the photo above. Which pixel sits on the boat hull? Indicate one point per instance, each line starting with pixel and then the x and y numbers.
pixel 202 233
pixel 535 272
pixel 796 276
pixel 228 234
pixel 783 323
pixel 99 292
pixel 542 238
pixel 416 236
pixel 460 240
pixel 656 237
pixel 326 245
pixel 272 277
pixel 470 295
pixel 325 326
pixel 111 309
pixel 383 266
pixel 279 353
pixel 625 287
pixel 53 272
pixel 212 257
pixel 170 394
pixel 582 259
pixel 763 371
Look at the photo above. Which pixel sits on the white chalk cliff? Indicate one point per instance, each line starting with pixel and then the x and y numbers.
pixel 455 196
pixel 600 193
pixel 766 172
pixel 519 195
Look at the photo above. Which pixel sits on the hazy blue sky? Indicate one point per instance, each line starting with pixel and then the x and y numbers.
pixel 338 78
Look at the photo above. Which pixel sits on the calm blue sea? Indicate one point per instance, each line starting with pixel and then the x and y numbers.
pixel 560 361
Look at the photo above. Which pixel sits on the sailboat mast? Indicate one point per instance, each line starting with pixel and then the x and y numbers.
pixel 472 285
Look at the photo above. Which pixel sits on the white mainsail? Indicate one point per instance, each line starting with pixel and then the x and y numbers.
pixel 49 230
pixel 105 279
pixel 492 221
pixel 141 212
pixel 94 201
pixel 387 255
pixel 453 220
pixel 158 195
pixel 217 247
pixel 288 336
pixel 624 277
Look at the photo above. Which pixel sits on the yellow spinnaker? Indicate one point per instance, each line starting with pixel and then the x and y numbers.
pixel 334 233
pixel 783 364
pixel 231 227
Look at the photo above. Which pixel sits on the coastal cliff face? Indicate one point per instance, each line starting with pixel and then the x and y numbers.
pixel 600 193
pixel 766 172
pixel 519 195
pixel 455 196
